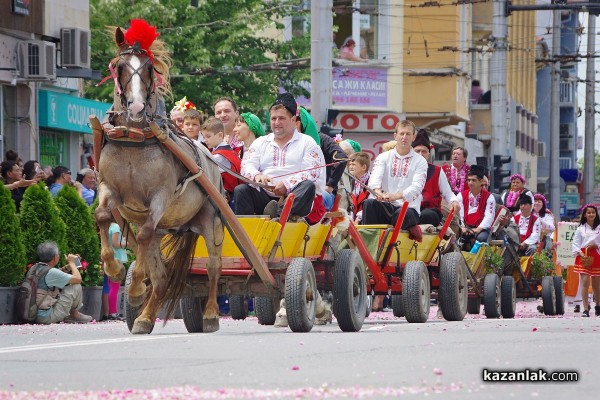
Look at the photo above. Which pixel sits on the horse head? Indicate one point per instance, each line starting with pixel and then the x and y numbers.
pixel 135 99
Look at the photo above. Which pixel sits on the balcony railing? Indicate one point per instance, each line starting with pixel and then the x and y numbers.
pixel 565 162
pixel 567 92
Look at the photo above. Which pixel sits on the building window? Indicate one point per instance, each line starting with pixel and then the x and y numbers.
pixel 360 20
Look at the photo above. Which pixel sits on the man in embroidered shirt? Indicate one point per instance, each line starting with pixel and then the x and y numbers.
pixel 478 207
pixel 436 185
pixel 398 175
pixel 529 226
pixel 457 171
pixel 285 159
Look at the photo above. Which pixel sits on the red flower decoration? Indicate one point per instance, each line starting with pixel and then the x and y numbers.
pixel 143 33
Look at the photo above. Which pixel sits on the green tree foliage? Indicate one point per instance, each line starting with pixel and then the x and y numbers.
pixel 596 167
pixel 81 234
pixel 212 47
pixel 40 221
pixel 12 253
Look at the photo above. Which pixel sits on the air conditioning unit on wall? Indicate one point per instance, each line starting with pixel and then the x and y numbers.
pixel 38 60
pixel 75 47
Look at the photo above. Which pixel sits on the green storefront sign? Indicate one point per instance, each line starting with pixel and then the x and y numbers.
pixel 68 113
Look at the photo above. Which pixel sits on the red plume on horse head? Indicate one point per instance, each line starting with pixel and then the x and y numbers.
pixel 143 33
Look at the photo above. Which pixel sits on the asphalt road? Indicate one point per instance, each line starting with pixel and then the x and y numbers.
pixel 388 358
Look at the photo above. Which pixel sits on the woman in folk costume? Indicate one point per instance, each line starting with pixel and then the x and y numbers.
pixel 457 170
pixel 510 198
pixel 247 128
pixel 547 222
pixel 585 244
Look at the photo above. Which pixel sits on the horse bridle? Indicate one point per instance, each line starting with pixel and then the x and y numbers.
pixel 150 86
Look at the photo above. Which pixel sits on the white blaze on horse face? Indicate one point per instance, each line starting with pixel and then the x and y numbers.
pixel 137 95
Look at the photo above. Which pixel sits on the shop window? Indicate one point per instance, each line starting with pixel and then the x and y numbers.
pixel 362 17
pixel 53 148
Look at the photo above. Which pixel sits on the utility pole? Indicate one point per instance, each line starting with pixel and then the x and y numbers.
pixel 321 43
pixel 498 83
pixel 555 117
pixel 589 156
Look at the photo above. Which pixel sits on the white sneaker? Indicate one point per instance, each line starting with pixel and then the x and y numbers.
pixel 326 317
pixel 281 320
pixel 439 314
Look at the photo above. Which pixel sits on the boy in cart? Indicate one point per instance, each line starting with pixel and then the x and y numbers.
pixel 529 226
pixel 477 208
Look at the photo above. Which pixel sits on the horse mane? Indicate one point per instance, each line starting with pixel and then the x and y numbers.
pixel 162 63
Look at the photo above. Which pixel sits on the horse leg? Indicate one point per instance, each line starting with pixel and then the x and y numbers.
pixel 144 238
pixel 113 267
pixel 211 228
pixel 150 256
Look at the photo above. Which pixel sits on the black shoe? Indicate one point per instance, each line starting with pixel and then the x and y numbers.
pixel 586 313
pixel 577 309
pixel 115 317
pixel 271 209
pixel 597 311
pixel 540 309
pixel 104 318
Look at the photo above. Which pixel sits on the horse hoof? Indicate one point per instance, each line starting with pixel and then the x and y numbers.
pixel 210 325
pixel 119 277
pixel 136 301
pixel 142 327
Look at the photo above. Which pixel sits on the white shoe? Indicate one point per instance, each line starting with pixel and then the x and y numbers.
pixel 439 314
pixel 326 317
pixel 281 320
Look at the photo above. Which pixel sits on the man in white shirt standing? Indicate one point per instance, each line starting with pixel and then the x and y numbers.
pixel 398 175
pixel 286 159
pixel 529 226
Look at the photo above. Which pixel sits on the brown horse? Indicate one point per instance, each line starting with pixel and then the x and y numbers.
pixel 148 186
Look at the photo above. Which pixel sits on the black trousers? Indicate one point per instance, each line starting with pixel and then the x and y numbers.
pixel 249 201
pixel 376 212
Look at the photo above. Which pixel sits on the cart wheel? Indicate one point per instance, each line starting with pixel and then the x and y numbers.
pixel 191 311
pixel 238 306
pixel 454 291
pixel 548 296
pixel 474 305
pixel 300 295
pixel 349 291
pixel 265 310
pixel 416 291
pixel 491 296
pixel 398 305
pixel 369 306
pixel 559 291
pixel 508 303
pixel 131 312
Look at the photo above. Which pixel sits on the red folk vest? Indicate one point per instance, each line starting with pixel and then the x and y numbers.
pixel 475 218
pixel 230 181
pixel 432 197
pixel 358 200
pixel 532 219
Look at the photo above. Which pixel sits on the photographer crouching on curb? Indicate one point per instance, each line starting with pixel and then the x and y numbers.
pixel 59 294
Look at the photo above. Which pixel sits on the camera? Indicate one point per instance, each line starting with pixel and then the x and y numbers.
pixel 77 262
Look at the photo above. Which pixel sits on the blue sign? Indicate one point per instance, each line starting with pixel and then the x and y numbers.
pixel 68 113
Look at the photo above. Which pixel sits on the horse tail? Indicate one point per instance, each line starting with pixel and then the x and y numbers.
pixel 177 255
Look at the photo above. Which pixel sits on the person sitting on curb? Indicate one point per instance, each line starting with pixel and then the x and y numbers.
pixel 398 175
pixel 59 295
pixel 478 208
pixel 286 159
pixel 529 226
